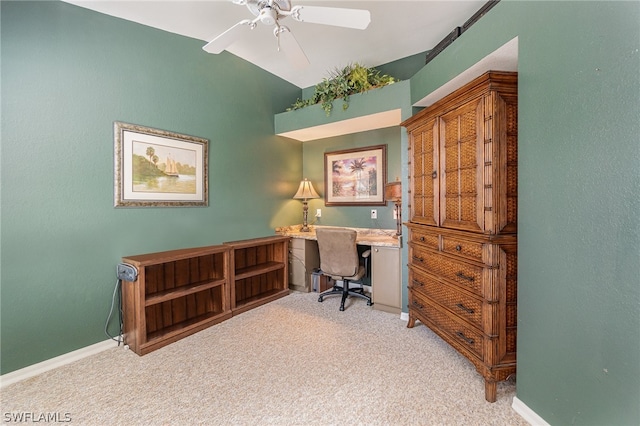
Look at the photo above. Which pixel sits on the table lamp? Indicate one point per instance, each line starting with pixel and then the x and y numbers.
pixel 305 192
pixel 393 192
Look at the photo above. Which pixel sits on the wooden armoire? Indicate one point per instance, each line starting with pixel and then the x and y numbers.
pixel 463 155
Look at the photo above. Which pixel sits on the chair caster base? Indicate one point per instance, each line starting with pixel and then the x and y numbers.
pixel 345 292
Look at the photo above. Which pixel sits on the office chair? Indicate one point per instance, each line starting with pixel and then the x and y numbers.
pixel 339 260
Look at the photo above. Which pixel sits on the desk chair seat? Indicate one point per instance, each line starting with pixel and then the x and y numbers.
pixel 339 260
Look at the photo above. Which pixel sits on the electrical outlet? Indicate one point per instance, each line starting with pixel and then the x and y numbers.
pixel 319 213
pixel 374 214
pixel 126 272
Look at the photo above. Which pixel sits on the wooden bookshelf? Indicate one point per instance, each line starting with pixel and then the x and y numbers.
pixel 177 293
pixel 259 271
pixel 180 292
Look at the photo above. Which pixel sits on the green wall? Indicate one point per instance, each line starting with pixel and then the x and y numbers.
pixel 579 249
pixel 356 216
pixel 579 227
pixel 67 75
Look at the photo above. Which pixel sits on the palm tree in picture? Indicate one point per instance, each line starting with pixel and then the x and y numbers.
pixel 337 189
pixel 150 153
pixel 336 168
pixel 357 168
pixel 373 181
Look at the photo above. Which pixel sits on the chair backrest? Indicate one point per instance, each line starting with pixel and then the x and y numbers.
pixel 338 251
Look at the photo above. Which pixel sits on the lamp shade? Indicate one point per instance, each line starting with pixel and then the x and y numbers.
pixel 393 191
pixel 306 191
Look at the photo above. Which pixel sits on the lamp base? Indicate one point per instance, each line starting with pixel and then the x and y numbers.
pixel 305 213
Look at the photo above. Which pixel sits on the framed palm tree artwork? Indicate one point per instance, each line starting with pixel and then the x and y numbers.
pixel 158 168
pixel 355 177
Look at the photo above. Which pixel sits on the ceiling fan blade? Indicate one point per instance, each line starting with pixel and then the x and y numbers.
pixel 336 16
pixel 225 39
pixel 291 48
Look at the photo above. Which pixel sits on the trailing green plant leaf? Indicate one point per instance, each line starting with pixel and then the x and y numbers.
pixel 341 83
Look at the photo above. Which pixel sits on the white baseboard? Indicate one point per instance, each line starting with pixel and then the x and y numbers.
pixel 404 316
pixel 527 413
pixel 59 361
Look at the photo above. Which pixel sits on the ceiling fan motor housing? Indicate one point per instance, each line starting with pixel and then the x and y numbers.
pixel 268 8
pixel 268 16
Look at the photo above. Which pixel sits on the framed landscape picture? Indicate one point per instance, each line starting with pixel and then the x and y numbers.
pixel 355 177
pixel 157 168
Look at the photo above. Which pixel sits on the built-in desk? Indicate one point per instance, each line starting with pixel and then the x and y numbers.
pixel 385 262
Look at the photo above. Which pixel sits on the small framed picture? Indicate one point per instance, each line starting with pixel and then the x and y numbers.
pixel 355 177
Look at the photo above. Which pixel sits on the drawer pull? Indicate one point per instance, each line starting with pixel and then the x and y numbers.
pixel 419 259
pixel 415 303
pixel 464 308
pixel 465 277
pixel 469 340
pixel 418 283
pixel 422 239
pixel 434 174
pixel 458 247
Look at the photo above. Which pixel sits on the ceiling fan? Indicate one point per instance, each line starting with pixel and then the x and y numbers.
pixel 269 12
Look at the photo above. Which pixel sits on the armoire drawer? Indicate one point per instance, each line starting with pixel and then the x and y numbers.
pixel 457 247
pixel 463 305
pixel 465 274
pixel 457 333
pixel 427 239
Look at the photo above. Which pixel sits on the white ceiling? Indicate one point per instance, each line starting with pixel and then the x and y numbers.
pixel 398 29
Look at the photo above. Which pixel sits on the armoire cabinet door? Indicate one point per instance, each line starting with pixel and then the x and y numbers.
pixel 424 196
pixel 461 167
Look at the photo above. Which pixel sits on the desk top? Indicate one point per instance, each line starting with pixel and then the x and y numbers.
pixel 366 236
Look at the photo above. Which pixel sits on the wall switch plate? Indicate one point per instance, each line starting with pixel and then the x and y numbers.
pixel 319 213
pixel 395 214
pixel 374 214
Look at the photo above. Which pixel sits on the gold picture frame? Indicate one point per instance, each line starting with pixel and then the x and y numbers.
pixel 158 168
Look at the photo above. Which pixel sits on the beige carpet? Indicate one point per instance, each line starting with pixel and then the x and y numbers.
pixel 291 362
